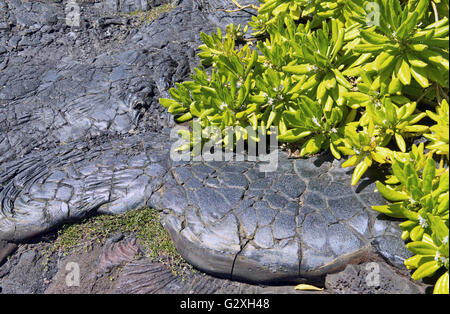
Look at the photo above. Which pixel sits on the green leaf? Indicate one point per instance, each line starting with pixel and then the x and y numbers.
pixel 186 117
pixel 444 182
pixel 352 161
pixel 295 119
pixel 421 248
pixel 313 145
pixel 415 61
pixel 269 6
pixel 394 86
pixel 293 135
pixel 400 142
pixel 165 102
pixel 393 210
pixel 306 287
pixel 417 260
pixel 396 210
pixel 356 97
pixel 442 284
pixel 341 79
pixel 426 270
pixel 429 172
pixel 298 69
pixel 407 25
pixel 390 194
pixel 419 75
pixel 412 182
pixel 338 44
pixel 360 169
pixel 373 38
pixel 334 151
pixel 404 73
pixel 438 227
pixel 391 112
pixel 417 233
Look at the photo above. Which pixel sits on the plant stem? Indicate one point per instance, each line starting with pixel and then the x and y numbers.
pixel 436 16
pixel 438 94
pixel 241 7
pixel 443 93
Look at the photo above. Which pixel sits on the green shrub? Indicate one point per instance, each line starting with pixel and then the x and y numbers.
pixel 420 195
pixel 329 77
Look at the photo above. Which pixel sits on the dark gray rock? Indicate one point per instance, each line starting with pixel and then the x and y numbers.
pixel 145 277
pixel 64 84
pixel 372 278
pixel 6 249
pixel 284 226
pixel 25 273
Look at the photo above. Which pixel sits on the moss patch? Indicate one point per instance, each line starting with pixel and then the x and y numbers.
pixel 152 14
pixel 143 223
